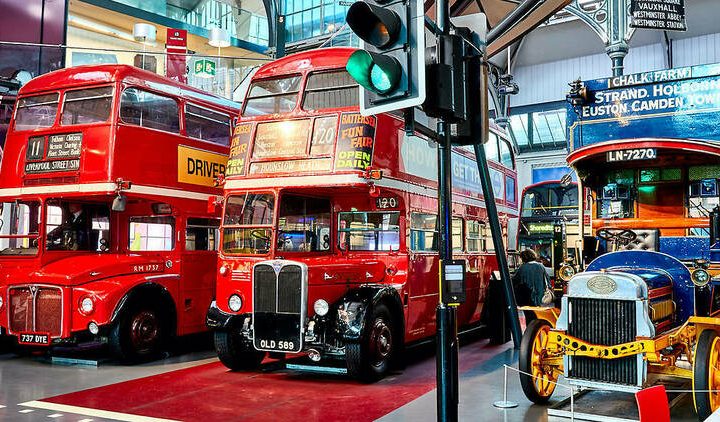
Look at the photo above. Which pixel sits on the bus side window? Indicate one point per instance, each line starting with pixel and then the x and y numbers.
pixel 152 233
pixel 146 109
pixel 207 125
pixel 423 232
pixel 474 235
pixel 201 234
pixel 489 245
pixel 457 235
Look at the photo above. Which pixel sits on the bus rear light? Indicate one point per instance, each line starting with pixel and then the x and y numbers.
pixel 87 305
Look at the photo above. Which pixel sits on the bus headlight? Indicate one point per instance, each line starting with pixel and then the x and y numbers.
pixel 235 303
pixel 224 270
pixel 321 307
pixel 566 272
pixel 87 306
pixel 700 277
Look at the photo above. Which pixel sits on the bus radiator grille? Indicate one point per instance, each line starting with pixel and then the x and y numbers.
pixel 38 311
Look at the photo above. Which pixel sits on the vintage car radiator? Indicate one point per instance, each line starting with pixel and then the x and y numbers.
pixel 279 305
pixel 606 308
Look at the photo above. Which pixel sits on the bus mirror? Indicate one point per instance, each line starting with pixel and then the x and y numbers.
pixel 119 203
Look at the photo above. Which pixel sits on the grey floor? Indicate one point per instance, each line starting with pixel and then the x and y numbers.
pixel 24 379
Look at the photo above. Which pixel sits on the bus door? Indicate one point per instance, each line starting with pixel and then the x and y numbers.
pixel 423 274
pixel 198 260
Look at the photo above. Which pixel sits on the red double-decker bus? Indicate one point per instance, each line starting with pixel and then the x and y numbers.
pixel 330 228
pixel 105 233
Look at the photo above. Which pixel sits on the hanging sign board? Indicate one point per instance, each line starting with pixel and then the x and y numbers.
pixel 204 68
pixel 665 15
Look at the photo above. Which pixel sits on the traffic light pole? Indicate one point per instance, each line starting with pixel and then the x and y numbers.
pixel 447 341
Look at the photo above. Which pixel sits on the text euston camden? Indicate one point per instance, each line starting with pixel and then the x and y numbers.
pixel 355 142
pixel 62 153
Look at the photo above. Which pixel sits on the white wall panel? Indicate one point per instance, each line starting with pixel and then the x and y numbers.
pixel 697 50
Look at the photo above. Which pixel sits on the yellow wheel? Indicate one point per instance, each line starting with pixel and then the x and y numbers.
pixel 706 374
pixel 533 349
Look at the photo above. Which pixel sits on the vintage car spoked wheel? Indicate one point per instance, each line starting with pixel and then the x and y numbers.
pixel 533 348
pixel 139 334
pixel 706 374
pixel 369 359
pixel 234 354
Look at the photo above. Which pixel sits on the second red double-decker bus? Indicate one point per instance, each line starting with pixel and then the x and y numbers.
pixel 105 233
pixel 330 227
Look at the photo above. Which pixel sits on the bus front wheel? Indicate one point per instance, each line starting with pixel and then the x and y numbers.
pixel 369 359
pixel 233 354
pixel 138 335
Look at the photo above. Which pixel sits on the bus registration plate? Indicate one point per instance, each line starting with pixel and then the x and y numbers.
pixel 34 339
pixel 632 154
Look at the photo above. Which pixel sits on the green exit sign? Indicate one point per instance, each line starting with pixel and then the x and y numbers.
pixel 204 68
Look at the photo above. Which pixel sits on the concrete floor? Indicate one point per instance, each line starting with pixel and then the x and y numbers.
pixel 26 380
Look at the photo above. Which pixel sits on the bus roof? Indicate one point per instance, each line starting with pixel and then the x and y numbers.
pixel 107 73
pixel 333 57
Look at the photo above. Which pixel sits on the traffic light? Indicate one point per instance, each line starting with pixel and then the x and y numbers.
pixel 390 64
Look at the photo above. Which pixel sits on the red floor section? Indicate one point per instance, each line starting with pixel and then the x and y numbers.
pixel 210 392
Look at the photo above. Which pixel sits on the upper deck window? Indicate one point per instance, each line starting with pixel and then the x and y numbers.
pixel 506 157
pixel 143 108
pixel 330 90
pixel 207 125
pixel 87 106
pixel 36 112
pixel 272 96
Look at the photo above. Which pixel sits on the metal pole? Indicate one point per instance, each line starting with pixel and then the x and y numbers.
pixel 511 20
pixel 494 220
pixel 446 358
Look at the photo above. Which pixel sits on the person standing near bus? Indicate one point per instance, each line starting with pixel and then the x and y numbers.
pixel 529 280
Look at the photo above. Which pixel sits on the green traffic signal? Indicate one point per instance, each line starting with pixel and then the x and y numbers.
pixel 375 72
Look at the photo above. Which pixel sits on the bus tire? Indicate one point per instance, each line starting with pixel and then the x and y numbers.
pixel 707 357
pixel 233 354
pixel 369 359
pixel 540 386
pixel 138 335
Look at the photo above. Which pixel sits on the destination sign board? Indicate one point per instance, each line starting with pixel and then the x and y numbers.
pixel 60 153
pixel 675 103
pixel 665 15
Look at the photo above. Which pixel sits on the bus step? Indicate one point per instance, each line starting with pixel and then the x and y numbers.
pixel 59 360
pixel 313 368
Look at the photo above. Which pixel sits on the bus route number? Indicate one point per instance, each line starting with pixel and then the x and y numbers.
pixel 386 202
pixel 632 154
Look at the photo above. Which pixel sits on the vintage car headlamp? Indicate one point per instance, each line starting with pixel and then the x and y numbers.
pixel 87 305
pixel 566 272
pixel 235 303
pixel 700 277
pixel 321 307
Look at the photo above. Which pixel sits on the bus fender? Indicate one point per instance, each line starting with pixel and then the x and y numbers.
pixel 353 310
pixel 150 293
pixel 549 314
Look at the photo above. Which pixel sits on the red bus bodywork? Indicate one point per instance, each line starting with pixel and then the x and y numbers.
pixel 371 171
pixel 141 269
